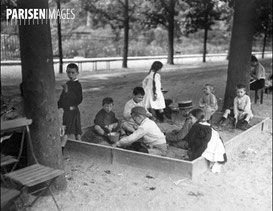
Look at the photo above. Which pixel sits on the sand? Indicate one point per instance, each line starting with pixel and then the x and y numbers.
pixel 245 182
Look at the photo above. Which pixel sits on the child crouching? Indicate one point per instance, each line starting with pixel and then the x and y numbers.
pixel 204 141
pixel 105 120
pixel 241 110
pixel 148 133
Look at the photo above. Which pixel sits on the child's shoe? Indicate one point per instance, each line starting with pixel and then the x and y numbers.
pixel 216 168
pixel 222 121
pixel 244 125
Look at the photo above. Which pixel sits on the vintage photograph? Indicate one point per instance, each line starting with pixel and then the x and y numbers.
pixel 140 105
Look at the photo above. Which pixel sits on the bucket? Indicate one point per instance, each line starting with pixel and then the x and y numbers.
pixel 113 137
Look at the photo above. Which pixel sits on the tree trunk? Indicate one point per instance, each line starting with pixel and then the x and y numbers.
pixel 171 32
pixel 264 40
pixel 39 88
pixel 60 38
pixel 205 44
pixel 126 35
pixel 240 48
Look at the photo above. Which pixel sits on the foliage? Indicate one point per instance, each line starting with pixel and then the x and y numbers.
pixel 264 17
pixel 203 14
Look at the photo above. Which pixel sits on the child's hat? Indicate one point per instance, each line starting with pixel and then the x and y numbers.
pixel 139 110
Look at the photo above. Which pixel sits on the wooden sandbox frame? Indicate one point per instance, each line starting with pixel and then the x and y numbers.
pixel 183 168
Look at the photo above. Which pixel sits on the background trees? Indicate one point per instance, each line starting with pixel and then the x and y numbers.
pixel 164 13
pixel 116 13
pixel 203 14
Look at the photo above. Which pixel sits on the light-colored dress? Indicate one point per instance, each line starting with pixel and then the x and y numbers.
pixel 147 85
pixel 209 105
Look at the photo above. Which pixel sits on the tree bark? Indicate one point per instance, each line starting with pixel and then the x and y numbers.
pixel 126 35
pixel 205 44
pixel 240 48
pixel 171 32
pixel 60 38
pixel 39 88
pixel 264 40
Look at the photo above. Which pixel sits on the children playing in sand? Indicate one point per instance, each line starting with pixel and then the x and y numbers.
pixel 70 99
pixel 175 138
pixel 204 141
pixel 241 110
pixel 105 120
pixel 208 102
pixel 148 132
pixel 128 124
pixel 154 99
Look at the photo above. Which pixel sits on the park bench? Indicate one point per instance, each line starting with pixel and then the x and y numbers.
pixel 33 175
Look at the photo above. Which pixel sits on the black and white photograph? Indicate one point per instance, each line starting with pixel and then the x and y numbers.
pixel 136 105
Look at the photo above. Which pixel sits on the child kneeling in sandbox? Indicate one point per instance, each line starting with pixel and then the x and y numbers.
pixel 204 141
pixel 147 138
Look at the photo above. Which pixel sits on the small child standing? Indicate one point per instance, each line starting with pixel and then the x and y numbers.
pixel 154 98
pixel 70 99
pixel 241 108
pixel 105 120
pixel 128 124
pixel 208 102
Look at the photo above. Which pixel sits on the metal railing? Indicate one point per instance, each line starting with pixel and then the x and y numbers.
pixel 95 61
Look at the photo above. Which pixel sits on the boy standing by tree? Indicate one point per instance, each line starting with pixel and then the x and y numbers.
pixel 69 101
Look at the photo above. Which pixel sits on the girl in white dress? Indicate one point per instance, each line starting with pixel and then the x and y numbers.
pixel 154 99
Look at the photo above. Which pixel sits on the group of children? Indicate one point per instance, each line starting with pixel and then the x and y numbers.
pixel 138 128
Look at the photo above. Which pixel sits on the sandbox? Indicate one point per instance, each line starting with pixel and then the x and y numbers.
pixel 183 168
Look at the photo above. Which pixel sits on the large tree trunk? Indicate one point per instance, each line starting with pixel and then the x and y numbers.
pixel 264 40
pixel 205 44
pixel 240 48
pixel 60 39
pixel 126 35
pixel 39 88
pixel 171 32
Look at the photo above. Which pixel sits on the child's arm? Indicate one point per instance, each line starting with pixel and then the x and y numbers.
pixel 213 101
pixel 248 105
pixel 99 120
pixel 201 102
pixel 139 133
pixel 127 111
pixel 235 108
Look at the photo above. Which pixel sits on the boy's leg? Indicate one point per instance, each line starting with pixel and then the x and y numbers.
pixel 78 137
pixel 64 140
pixel 99 130
pixel 224 117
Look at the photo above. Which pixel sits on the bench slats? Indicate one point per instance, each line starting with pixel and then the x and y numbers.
pixel 7 159
pixel 34 175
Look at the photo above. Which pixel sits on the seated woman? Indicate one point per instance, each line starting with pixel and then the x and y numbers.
pixel 204 141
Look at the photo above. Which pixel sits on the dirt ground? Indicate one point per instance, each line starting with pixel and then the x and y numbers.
pixel 245 182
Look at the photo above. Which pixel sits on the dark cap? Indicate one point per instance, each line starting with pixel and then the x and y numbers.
pixel 139 110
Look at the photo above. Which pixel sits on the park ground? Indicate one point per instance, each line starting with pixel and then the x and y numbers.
pixel 245 182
